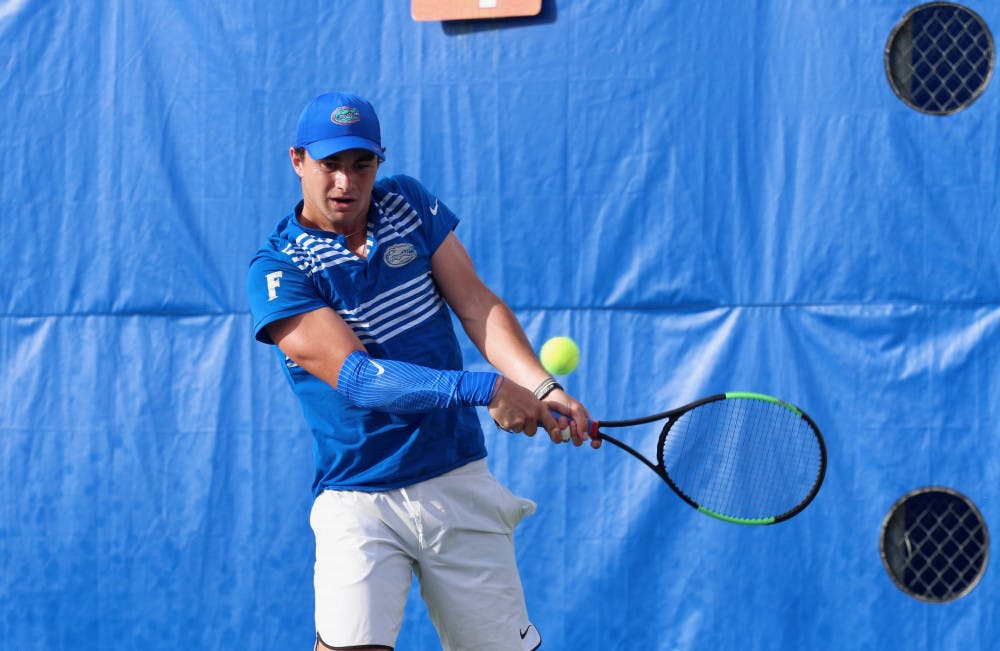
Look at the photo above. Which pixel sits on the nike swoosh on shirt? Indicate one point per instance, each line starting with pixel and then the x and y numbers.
pixel 381 369
pixel 434 210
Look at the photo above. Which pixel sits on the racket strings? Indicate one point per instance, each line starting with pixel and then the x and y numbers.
pixel 742 458
pixel 778 468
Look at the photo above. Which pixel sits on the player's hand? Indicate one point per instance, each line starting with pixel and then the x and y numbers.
pixel 575 417
pixel 516 409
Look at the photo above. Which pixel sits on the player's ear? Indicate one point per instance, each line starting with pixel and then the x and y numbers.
pixel 298 159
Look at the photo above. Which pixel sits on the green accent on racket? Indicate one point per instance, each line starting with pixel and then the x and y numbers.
pixel 748 395
pixel 727 518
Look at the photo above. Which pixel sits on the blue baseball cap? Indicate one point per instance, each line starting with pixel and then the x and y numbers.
pixel 335 122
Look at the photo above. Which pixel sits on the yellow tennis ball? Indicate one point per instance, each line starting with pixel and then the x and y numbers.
pixel 559 355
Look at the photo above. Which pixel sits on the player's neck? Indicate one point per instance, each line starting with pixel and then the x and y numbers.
pixel 357 242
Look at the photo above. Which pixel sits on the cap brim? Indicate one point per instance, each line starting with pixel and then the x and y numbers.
pixel 323 148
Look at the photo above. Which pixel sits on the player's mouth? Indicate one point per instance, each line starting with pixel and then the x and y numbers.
pixel 342 203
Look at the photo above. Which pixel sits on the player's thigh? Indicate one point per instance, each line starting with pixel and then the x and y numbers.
pixel 474 595
pixel 362 574
pixel 469 579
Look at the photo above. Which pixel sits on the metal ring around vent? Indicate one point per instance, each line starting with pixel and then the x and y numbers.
pixel 935 544
pixel 939 58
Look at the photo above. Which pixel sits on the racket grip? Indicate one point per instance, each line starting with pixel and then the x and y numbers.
pixel 591 426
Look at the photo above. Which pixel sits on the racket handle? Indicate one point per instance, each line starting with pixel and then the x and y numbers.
pixel 592 426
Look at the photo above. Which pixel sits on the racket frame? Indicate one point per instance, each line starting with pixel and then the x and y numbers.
pixel 672 415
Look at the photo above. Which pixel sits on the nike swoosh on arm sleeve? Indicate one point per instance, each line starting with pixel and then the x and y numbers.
pixel 400 387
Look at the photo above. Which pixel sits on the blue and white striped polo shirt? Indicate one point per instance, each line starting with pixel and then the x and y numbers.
pixel 392 303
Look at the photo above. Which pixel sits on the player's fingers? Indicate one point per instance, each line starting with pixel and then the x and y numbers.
pixel 568 430
pixel 555 435
pixel 561 432
pixel 514 426
pixel 550 421
pixel 564 426
pixel 583 429
pixel 579 422
pixel 574 432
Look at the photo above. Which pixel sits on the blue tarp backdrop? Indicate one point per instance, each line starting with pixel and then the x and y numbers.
pixel 708 196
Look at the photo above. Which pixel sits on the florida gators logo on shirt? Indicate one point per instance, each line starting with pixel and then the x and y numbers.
pixel 400 254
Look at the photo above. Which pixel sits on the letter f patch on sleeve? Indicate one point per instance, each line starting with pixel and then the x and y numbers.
pixel 273 282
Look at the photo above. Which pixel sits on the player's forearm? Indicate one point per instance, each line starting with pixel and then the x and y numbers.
pixel 500 338
pixel 399 387
pixel 487 320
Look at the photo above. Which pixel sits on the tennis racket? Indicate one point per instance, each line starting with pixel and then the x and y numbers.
pixel 746 458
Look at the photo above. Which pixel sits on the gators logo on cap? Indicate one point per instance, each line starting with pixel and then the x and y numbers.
pixel 345 115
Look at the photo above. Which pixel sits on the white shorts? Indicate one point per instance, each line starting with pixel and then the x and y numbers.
pixel 454 532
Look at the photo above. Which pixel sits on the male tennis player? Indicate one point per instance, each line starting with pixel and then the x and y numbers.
pixel 354 287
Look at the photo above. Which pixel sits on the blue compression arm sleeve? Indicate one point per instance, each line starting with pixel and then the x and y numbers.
pixel 400 387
